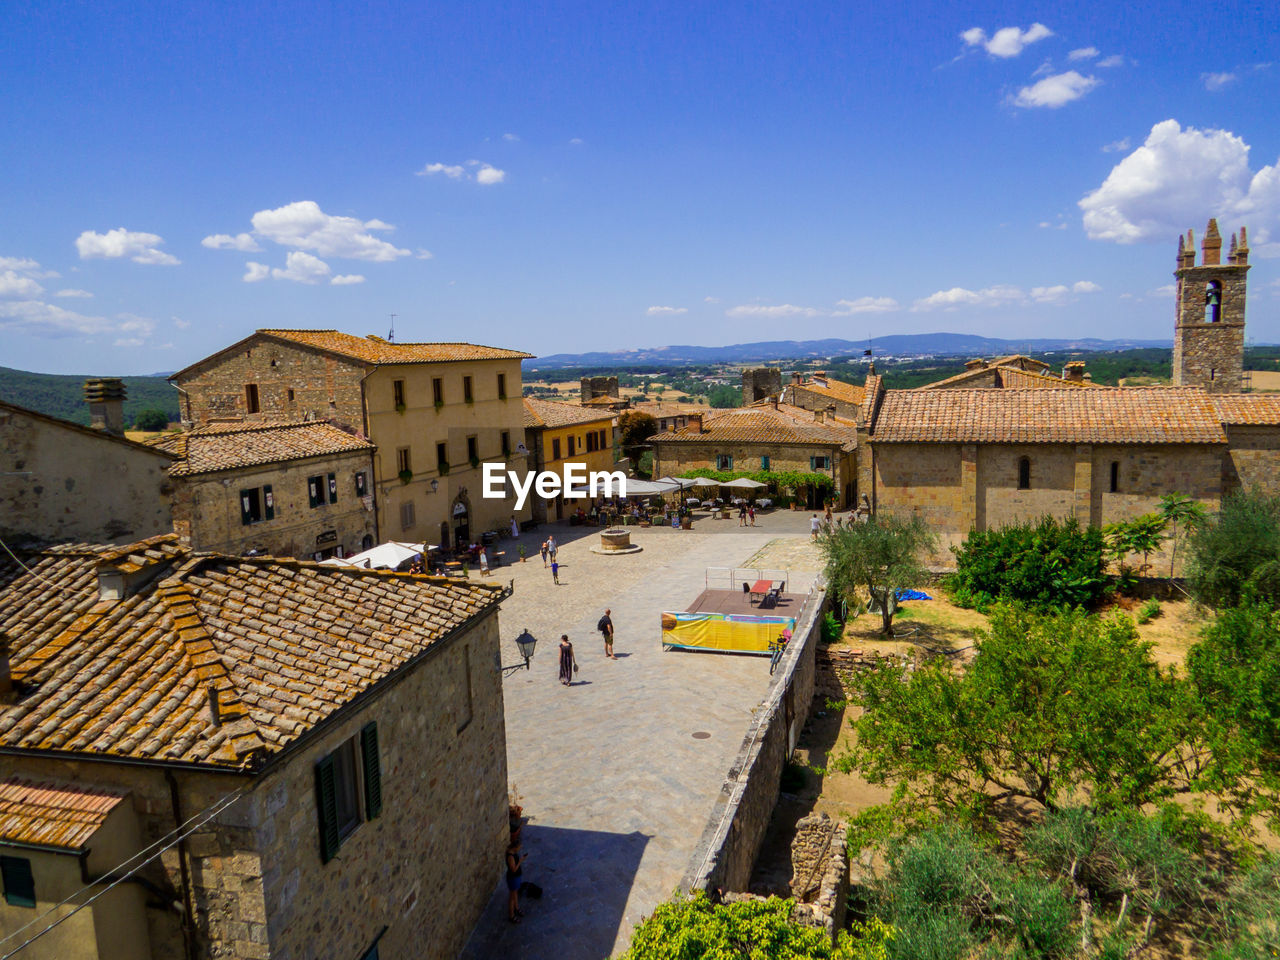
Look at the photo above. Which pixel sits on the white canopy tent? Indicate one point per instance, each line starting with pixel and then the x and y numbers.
pixel 647 488
pixel 388 556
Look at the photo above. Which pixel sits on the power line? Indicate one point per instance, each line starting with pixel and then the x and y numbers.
pixel 48 583
pixel 190 826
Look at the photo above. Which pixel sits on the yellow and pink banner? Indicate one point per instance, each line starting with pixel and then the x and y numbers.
pixel 727 632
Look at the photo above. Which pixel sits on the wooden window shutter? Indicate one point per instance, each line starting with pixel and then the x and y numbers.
pixel 268 503
pixel 372 771
pixel 19 884
pixel 314 493
pixel 246 511
pixel 812 465
pixel 327 809
pixel 333 488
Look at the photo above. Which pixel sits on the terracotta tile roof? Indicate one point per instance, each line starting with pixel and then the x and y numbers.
pixel 548 413
pixel 53 815
pixel 278 645
pixel 1004 376
pixel 376 350
pixel 763 423
pixel 835 389
pixel 660 409
pixel 1066 415
pixel 231 446
pixel 1248 409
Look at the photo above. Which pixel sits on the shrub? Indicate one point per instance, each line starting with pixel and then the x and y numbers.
pixel 151 420
pixel 1044 564
pixel 1237 554
pixel 1148 611
pixel 832 629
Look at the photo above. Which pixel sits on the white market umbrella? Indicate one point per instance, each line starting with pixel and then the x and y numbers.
pixel 742 483
pixel 387 556
pixel 647 488
pixel 680 483
pixel 703 482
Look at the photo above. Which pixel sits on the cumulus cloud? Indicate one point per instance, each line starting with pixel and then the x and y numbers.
pixel 1115 60
pixel 115 244
pixel 1168 290
pixel 1055 91
pixel 222 241
pixel 1084 53
pixel 302 268
pixel 1006 42
pixel 305 226
pixel 16 284
pixel 710 299
pixel 484 174
pixel 73 293
pixel 35 318
pixel 1117 146
pixel 1002 295
pixel 1213 82
pixel 1177 178
pixel 661 311
pixel 346 279
pixel 180 323
pixel 865 305
pixel 256 272
pixel 778 310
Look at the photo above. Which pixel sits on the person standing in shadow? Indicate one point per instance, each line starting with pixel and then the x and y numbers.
pixel 515 862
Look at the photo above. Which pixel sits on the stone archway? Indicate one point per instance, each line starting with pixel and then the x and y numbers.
pixel 461 519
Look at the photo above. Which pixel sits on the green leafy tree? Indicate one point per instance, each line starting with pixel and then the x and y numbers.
pixel 1045 564
pixel 1237 553
pixel 881 555
pixel 1142 535
pixel 722 396
pixel 1053 707
pixel 634 430
pixel 697 929
pixel 1179 510
pixel 152 420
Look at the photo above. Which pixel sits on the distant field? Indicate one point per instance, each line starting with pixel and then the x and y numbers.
pixel 1265 381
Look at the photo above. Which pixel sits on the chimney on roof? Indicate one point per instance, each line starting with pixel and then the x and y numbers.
pixel 1073 372
pixel 1088 378
pixel 818 415
pixel 695 423
pixel 797 377
pixel 977 363
pixel 105 396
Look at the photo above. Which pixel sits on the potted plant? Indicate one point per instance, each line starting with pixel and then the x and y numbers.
pixel 443 467
pixel 406 475
pixel 400 408
pixel 523 551
pixel 439 405
pixel 475 462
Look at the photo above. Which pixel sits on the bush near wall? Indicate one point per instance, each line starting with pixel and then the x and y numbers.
pixel 1048 563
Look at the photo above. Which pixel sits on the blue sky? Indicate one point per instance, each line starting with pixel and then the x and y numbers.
pixel 564 177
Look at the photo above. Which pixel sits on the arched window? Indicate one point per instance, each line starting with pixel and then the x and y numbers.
pixel 1213 302
pixel 1024 474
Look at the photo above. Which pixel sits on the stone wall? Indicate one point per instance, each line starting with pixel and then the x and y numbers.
pixel 60 481
pixel 1210 355
pixel 759 383
pixel 727 851
pixel 206 509
pixel 323 386
pixel 804 396
pixel 1253 461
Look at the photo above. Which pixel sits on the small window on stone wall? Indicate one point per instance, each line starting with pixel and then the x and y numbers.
pixel 1115 476
pixel 1024 474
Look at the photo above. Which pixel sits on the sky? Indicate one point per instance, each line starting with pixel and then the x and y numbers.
pixel 563 177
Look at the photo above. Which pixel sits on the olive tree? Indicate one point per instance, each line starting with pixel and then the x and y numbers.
pixel 883 555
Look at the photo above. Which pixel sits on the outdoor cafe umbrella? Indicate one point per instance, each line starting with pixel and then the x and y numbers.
pixel 703 482
pixel 742 483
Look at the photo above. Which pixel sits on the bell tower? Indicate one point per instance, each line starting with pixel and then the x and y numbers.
pixel 1208 336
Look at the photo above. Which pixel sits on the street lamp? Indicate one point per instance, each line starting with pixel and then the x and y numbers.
pixel 525 644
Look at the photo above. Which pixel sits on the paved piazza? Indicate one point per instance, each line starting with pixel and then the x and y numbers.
pixel 616 788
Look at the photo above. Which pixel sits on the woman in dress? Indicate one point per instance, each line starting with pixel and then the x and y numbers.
pixel 568 664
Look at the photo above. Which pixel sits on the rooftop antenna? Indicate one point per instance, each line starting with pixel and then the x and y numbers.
pixel 391 334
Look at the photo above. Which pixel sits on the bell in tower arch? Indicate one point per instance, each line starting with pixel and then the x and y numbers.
pixel 1213 302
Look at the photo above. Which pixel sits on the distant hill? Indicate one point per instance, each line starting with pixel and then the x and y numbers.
pixel 63 396
pixel 899 345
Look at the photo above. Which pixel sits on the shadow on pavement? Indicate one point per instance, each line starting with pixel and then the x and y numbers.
pixel 586 878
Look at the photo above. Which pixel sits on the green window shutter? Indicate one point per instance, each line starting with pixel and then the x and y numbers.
pixel 314 494
pixel 268 503
pixel 333 488
pixel 19 884
pixel 246 514
pixel 812 467
pixel 327 809
pixel 372 771
pixel 764 463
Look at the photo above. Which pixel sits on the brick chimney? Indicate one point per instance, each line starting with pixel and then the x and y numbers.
pixel 105 396
pixel 818 415
pixel 695 423
pixel 1073 372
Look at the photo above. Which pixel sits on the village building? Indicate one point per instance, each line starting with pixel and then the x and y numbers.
pixel 266 757
pixel 294 489
pixel 669 414
pixel 820 392
pixel 63 481
pixel 560 433
pixel 767 436
pixel 1015 371
pixel 435 411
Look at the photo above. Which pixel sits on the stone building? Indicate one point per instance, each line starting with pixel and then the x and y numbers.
pixel 767 436
pixel 1208 338
pixel 598 388
pixel 61 481
pixel 670 414
pixel 302 489
pixel 820 392
pixel 1013 371
pixel 760 383
pixel 436 412
pixel 331 741
pixel 1252 425
pixel 560 433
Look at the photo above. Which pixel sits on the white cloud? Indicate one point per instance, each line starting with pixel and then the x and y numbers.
pixel 488 175
pixel 305 226
pixel 779 310
pixel 23 264
pixel 1084 53
pixel 1115 60
pixel 114 244
pixel 423 254
pixel 1117 146
pixel 302 268
pixel 1085 286
pixel 1168 290
pixel 1055 91
pixel 1007 41
pixel 512 137
pixel 660 311
pixel 1213 82
pixel 346 279
pixel 73 293
pixel 710 299
pixel 135 328
pixel 1054 294
pixel 180 323
pixel 431 169
pixel 576 141
pixel 15 284
pixel 866 305
pixel 222 241
pixel 256 272
pixel 1002 295
pixel 1176 179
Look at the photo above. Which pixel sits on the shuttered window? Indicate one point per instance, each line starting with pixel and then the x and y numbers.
pixel 327 808
pixel 333 488
pixel 250 506
pixel 19 884
pixel 268 503
pixel 372 771
pixel 362 484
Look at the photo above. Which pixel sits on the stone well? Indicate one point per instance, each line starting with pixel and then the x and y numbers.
pixel 616 540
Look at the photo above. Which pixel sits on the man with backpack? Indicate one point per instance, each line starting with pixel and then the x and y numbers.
pixel 605 626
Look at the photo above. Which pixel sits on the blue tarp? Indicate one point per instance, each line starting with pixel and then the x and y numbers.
pixel 912 595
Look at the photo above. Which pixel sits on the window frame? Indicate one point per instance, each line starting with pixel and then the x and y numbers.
pixel 1024 473
pixel 316 490
pixel 250 506
pixel 348 781
pixel 473 449
pixel 468 393
pixel 502 386
pixel 403 461
pixel 437 391
pixel 397 393
pixel 1115 476
pixel 252 401
pixel 19 881
pixel 724 461
pixel 506 443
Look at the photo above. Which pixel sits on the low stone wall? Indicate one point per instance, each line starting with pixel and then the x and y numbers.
pixel 727 851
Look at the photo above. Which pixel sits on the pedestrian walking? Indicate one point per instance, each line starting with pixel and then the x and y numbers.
pixel 605 626
pixel 545 550
pixel 742 514
pixel 555 573
pixel 828 516
pixel 568 663
pixel 751 513
pixel 484 563
pixel 515 867
pixel 814 525
pixel 551 547
pixel 515 527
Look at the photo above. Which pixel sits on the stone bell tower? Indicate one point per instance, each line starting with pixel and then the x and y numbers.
pixel 1208 336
